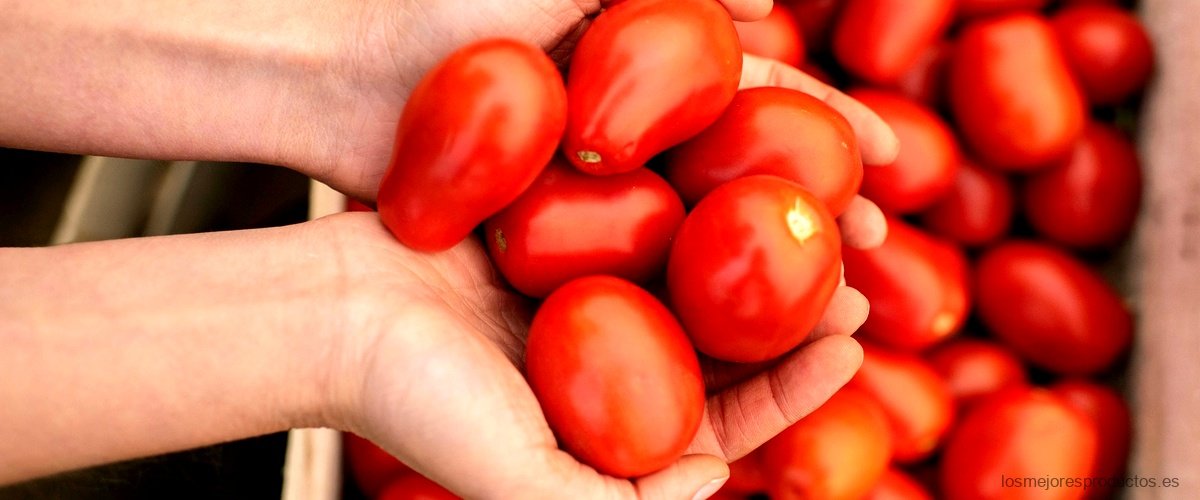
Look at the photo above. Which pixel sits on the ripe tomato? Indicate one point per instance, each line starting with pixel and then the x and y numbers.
pixel 474 134
pixel 929 154
pixel 776 131
pixel 746 475
pixel 616 377
pixel 353 205
pixel 647 75
pixel 916 401
pixel 777 36
pixel 816 19
pixel 538 242
pixel 916 284
pixel 1016 434
pixel 1015 101
pixel 1091 199
pixel 878 40
pixel 976 211
pixel 977 8
pixel 415 487
pixel 1113 425
pixel 370 466
pixel 925 80
pixel 837 452
pixel 1052 309
pixel 753 267
pixel 896 485
pixel 974 369
pixel 1108 50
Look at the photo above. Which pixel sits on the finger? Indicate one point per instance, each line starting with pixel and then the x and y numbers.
pixel 863 224
pixel 693 476
pixel 746 415
pixel 847 311
pixel 876 141
pixel 747 10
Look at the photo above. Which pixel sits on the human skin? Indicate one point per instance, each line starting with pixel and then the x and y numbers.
pixel 121 349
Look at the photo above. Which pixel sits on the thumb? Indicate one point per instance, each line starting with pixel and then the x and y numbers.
pixel 694 476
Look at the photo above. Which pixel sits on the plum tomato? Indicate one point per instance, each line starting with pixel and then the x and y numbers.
pixel 1051 309
pixel 415 487
pixel 974 369
pixel 475 132
pixel 645 76
pixel 916 284
pixel 1112 421
pixel 753 268
pixel 776 37
pixel 569 225
pixel 925 80
pixel 976 211
pixel 371 467
pixel 816 19
pixel 897 485
pixel 1108 50
pixel 615 375
pixel 746 475
pixel 977 8
pixel 879 40
pixel 776 131
pixel 915 399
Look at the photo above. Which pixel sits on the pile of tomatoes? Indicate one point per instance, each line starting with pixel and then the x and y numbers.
pixel 657 216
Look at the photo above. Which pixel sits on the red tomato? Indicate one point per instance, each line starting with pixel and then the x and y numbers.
pixel 929 154
pixel 370 466
pixel 1091 199
pixel 1107 48
pixel 776 131
pixel 415 487
pixel 353 205
pixel 1013 435
pixel 879 40
pixel 475 133
pixel 976 8
pixel 916 284
pixel 647 75
pixel 1069 3
pixel 837 452
pixel 896 485
pixel 539 243
pixel 974 369
pixel 816 18
pixel 1113 424
pixel 777 36
pixel 616 377
pixel 1052 309
pixel 976 211
pixel 916 401
pixel 746 475
pixel 925 80
pixel 1016 103
pixel 753 268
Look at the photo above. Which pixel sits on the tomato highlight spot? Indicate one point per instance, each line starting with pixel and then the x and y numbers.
pixel 800 224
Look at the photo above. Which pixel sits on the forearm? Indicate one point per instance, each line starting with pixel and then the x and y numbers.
pixel 128 348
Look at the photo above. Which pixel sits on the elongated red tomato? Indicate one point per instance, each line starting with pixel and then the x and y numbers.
pixel 474 134
pixel 1014 98
pixel 1017 434
pixel 1091 199
pixel 976 211
pixel 1108 50
pixel 837 452
pixel 616 377
pixel 916 284
pixel 371 467
pixel 1052 309
pixel 753 267
pixel 915 399
pixel 976 8
pixel 1105 408
pixel 878 40
pixel 776 131
pixel 647 75
pixel 746 475
pixel 777 37
pixel 925 80
pixel 974 369
pixel 415 487
pixel 628 220
pixel 897 485
pixel 929 154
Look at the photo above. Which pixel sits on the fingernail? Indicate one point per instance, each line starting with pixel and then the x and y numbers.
pixel 710 488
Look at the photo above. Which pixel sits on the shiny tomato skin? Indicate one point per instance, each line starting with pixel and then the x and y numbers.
pixel 474 134
pixel 897 485
pixel 539 243
pixel 746 475
pixel 1050 308
pixel 776 131
pixel 1091 199
pixel 837 452
pixel 370 466
pixel 816 19
pixel 878 40
pixel 1017 433
pixel 1014 99
pixel 645 76
pixel 915 399
pixel 978 8
pixel 929 154
pixel 753 267
pixel 975 369
pixel 415 487
pixel 616 376
pixel 977 210
pixel 916 284
pixel 1107 48
pixel 925 80
pixel 1113 424
pixel 777 37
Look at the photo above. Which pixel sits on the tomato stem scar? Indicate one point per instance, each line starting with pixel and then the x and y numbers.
pixel 800 223
pixel 588 156
pixel 501 242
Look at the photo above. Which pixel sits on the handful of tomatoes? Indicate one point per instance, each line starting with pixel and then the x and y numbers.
pixel 658 211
